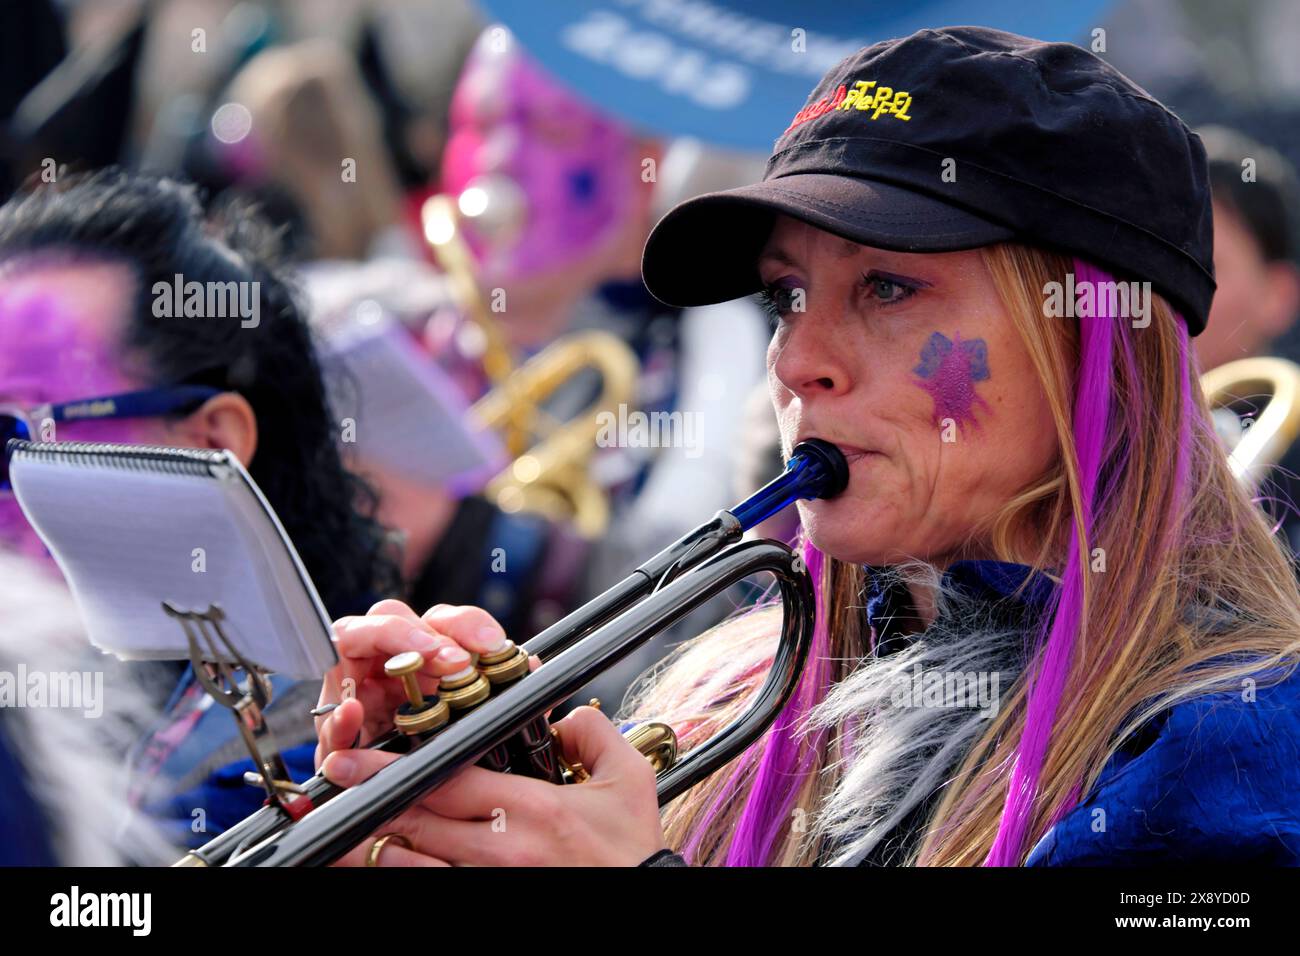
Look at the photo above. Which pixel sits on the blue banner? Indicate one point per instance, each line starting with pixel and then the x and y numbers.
pixel 733 72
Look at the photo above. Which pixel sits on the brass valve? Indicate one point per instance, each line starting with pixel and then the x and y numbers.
pixel 465 689
pixel 418 715
pixel 505 665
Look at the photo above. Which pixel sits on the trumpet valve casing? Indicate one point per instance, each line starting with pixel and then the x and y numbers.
pixel 419 715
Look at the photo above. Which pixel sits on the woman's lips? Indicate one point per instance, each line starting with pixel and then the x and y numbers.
pixel 851 453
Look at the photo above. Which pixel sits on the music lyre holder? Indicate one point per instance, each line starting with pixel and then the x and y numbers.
pixel 210 653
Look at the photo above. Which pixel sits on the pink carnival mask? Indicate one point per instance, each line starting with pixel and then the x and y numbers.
pixel 557 175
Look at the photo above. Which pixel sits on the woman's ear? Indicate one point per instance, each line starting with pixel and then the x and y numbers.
pixel 223 421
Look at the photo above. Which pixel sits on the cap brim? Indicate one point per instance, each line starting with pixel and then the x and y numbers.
pixel 706 250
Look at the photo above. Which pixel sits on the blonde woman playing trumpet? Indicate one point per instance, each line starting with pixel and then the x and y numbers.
pixel 1052 628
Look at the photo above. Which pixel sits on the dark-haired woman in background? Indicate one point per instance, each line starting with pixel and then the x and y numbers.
pixel 78 268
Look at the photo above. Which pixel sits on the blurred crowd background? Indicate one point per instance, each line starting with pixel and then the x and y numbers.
pixel 331 125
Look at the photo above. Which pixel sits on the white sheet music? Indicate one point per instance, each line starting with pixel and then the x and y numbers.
pixel 406 413
pixel 133 527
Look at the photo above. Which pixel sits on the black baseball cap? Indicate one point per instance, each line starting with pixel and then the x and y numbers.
pixel 956 138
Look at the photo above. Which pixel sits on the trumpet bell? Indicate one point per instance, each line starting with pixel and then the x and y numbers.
pixel 1263 436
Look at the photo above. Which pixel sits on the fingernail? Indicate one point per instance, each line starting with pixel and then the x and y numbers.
pixel 490 638
pixel 422 640
pixel 339 768
pixel 453 655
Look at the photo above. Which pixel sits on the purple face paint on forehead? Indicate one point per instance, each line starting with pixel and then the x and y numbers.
pixel 949 370
pixel 60 343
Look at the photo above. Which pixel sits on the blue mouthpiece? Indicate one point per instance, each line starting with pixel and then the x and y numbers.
pixel 816 469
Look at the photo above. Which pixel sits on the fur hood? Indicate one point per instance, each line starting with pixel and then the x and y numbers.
pixel 71 755
pixel 913 709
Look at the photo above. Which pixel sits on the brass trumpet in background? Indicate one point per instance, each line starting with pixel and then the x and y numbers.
pixel 1256 440
pixel 551 472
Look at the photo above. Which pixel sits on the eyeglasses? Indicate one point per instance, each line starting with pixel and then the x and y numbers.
pixel 17 422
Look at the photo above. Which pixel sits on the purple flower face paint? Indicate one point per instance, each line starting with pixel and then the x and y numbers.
pixel 948 371
pixel 575 168
pixel 59 326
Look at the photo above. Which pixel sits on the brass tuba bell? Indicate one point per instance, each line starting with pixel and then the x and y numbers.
pixel 1256 440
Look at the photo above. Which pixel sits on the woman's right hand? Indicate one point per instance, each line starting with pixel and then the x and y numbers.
pixel 445 635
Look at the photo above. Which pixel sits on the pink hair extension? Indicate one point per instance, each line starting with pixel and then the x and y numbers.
pixel 782 767
pixel 725 795
pixel 1092 409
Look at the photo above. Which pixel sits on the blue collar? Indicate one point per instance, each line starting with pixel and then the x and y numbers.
pixel 889 608
pixel 1000 579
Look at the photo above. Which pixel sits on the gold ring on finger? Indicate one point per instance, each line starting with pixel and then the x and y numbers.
pixel 376 848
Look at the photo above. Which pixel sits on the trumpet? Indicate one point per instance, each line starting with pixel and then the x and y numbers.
pixel 550 474
pixel 502 724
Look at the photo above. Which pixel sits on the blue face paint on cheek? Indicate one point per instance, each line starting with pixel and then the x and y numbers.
pixel 948 371
pixel 582 184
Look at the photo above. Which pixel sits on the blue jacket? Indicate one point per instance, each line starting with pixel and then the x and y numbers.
pixel 182 747
pixel 1214 780
pixel 24 832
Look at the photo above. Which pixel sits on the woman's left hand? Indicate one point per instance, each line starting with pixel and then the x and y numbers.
pixel 484 818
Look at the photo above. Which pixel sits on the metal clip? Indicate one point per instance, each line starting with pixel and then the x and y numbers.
pixel 211 652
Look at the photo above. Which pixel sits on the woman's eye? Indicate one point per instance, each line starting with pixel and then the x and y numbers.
pixel 886 289
pixel 777 301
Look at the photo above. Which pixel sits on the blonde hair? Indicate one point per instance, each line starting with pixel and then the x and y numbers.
pixel 1182 590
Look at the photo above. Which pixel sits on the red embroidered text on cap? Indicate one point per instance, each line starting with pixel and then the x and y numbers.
pixel 865 96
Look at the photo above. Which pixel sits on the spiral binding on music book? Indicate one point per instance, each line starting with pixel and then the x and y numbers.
pixel 196 461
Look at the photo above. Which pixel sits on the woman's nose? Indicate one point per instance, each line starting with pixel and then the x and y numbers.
pixel 806 359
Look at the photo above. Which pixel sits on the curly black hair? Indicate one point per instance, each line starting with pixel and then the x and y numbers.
pixel 157 227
